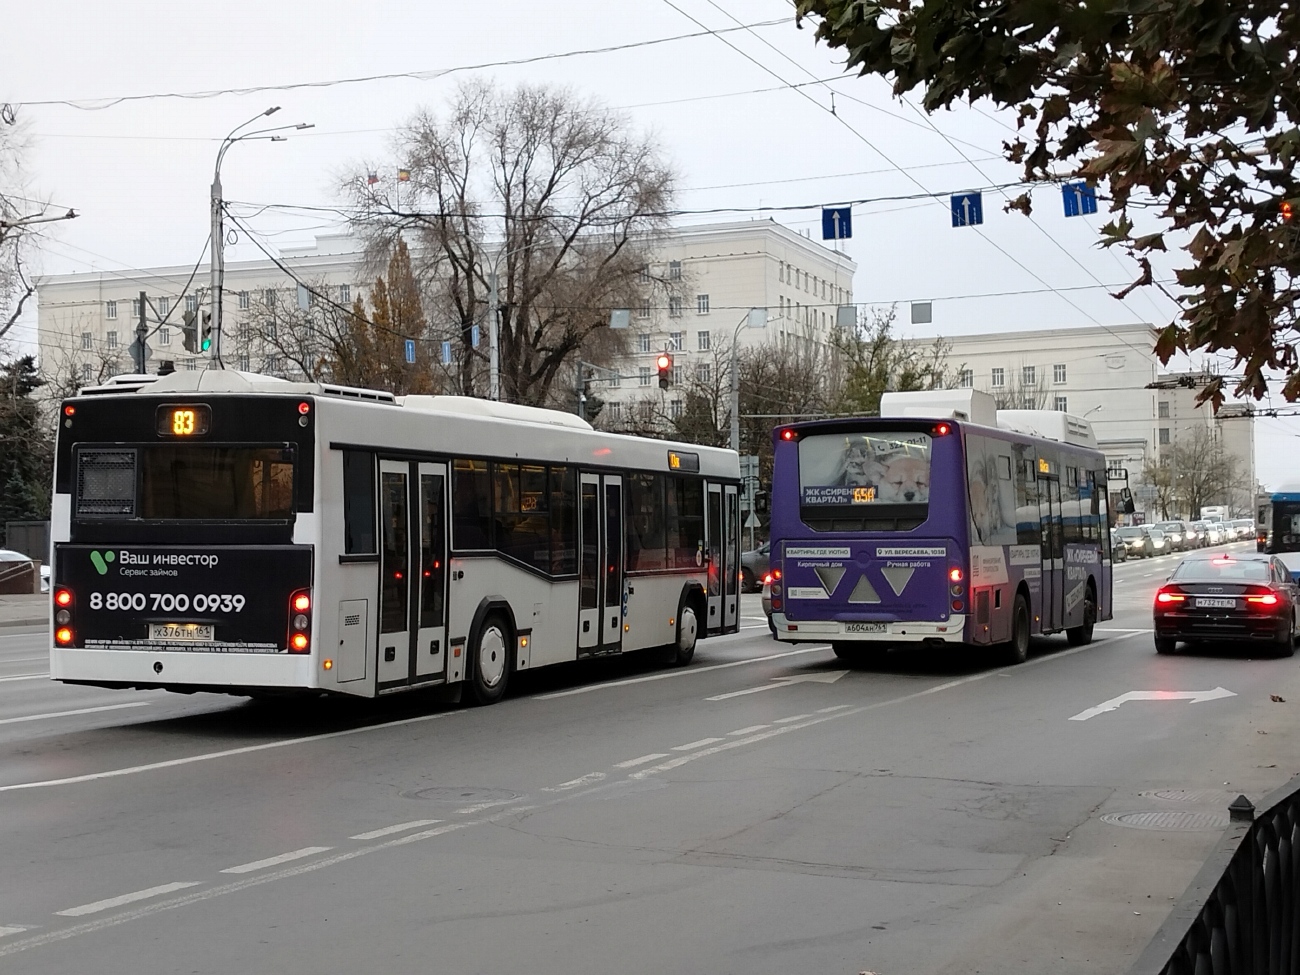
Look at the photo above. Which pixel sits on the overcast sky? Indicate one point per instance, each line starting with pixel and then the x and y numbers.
pixel 722 107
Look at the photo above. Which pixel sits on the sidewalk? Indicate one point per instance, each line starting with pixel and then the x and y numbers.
pixel 27 609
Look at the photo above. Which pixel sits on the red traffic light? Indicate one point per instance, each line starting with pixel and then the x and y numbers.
pixel 664 362
pixel 1286 210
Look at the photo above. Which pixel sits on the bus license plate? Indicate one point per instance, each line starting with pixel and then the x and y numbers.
pixel 1210 603
pixel 866 627
pixel 182 632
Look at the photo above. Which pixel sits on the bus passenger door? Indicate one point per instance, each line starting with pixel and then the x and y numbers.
pixel 731 575
pixel 394 648
pixel 1053 558
pixel 713 555
pixel 428 653
pixel 589 563
pixel 611 627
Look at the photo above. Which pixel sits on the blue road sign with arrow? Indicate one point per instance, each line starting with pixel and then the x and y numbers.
pixel 837 223
pixel 410 350
pixel 1079 198
pixel 446 353
pixel 967 209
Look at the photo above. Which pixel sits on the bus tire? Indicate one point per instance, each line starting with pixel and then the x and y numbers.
pixel 682 652
pixel 491 660
pixel 1016 650
pixel 1081 635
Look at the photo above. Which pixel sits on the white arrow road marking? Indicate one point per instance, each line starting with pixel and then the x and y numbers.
pixel 1193 697
pixel 830 677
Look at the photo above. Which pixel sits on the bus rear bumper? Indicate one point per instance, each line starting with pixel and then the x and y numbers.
pixel 950 630
pixel 182 670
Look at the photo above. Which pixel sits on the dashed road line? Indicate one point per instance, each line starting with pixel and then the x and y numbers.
pixel 480 807
pixel 746 731
pixel 306 851
pixel 833 707
pixel 374 834
pixel 577 783
pixel 69 714
pixel 124 899
pixel 633 762
pixel 695 744
pixel 5 931
pixel 793 717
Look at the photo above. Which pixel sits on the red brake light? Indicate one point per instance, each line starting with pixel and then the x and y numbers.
pixel 299 642
pixel 941 430
pixel 1267 600
pixel 69 410
pixel 767 578
pixel 63 634
pixel 301 602
pixel 63 597
pixel 788 434
pixel 1164 596
pixel 955 574
pixel 1223 560
pixel 304 407
pixel 776 574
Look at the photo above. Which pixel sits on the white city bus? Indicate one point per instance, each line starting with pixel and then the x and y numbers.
pixel 222 531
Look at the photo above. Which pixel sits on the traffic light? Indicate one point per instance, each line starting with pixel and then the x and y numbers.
pixel 665 366
pixel 190 331
pixel 1286 210
pixel 207 331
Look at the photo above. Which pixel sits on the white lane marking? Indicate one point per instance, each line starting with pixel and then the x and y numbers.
pixel 68 714
pixel 833 707
pixel 306 851
pixel 830 677
pixel 688 672
pixel 1192 697
pixel 793 717
pixel 471 810
pixel 633 762
pixel 374 834
pixel 138 895
pixel 5 680
pixel 747 731
pixel 11 929
pixel 695 744
pixel 226 753
pixel 1111 629
pixel 587 779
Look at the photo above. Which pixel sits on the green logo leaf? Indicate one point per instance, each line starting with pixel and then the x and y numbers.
pixel 100 562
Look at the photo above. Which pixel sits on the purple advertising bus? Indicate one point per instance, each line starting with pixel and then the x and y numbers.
pixel 917 527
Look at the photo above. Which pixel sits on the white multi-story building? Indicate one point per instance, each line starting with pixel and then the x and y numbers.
pixel 1111 376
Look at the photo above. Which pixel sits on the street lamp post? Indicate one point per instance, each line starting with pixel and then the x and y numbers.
pixel 217 267
pixel 756 318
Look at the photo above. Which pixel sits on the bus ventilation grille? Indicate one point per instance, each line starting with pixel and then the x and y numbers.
pixel 353 620
pixel 982 607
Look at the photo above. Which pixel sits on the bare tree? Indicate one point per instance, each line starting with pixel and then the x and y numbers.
pixel 1159 476
pixel 1023 391
pixel 549 193
pixel 1203 472
pixel 875 361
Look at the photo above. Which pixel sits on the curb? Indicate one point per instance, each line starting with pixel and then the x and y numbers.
pixel 34 621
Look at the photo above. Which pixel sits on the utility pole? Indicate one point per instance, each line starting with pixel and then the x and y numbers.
pixel 141 333
pixel 218 264
pixel 494 341
pixel 582 391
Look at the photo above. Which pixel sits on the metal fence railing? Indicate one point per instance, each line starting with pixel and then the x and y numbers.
pixel 1241 914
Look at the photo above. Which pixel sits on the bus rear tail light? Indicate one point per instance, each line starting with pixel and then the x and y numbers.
pixel 955 576
pixel 63 635
pixel 788 434
pixel 63 616
pixel 300 621
pixel 941 429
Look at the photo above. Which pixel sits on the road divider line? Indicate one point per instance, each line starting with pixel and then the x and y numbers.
pixel 688 672
pixel 306 851
pixel 69 714
pixel 695 744
pixel 634 762
pixel 480 807
pixel 120 901
pixel 833 707
pixel 747 731
pixel 791 719
pixel 577 783
pixel 374 834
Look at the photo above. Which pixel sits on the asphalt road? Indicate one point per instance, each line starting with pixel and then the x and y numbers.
pixel 766 810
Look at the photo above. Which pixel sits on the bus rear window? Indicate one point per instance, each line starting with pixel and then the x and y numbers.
pixel 864 468
pixel 189 482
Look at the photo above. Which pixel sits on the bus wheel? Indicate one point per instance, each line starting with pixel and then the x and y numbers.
pixel 1078 636
pixel 1015 651
pixel 688 631
pixel 491 660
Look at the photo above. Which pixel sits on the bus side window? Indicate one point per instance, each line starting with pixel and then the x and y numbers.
pixel 564 521
pixel 358 502
pixel 471 492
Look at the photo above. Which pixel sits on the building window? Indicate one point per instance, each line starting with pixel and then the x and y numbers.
pixel 615 411
pixel 86 372
pixel 345 294
pixel 675 306
pixel 675 341
pixel 191 365
pixel 1162 409
pixel 242 333
pixel 268 297
pixel 1058 373
pixel 164 306
pixel 243 362
pixel 87 340
pixel 112 340
pixel 244 301
pixel 675 409
pixel 110 309
pixel 702 304
pixel 1061 404
pixel 191 302
pixel 135 309
pixel 643 311
pixel 644 273
pixel 643 378
pixel 703 373
pixel 272 363
pixel 703 341
pixel 1164 436
pixel 1028 375
pixel 674 270
pixel 614 379
pixel 643 342
pixel 967 379
pixel 1027 403
pixel 780 271
pixel 999 378
pixel 164 336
